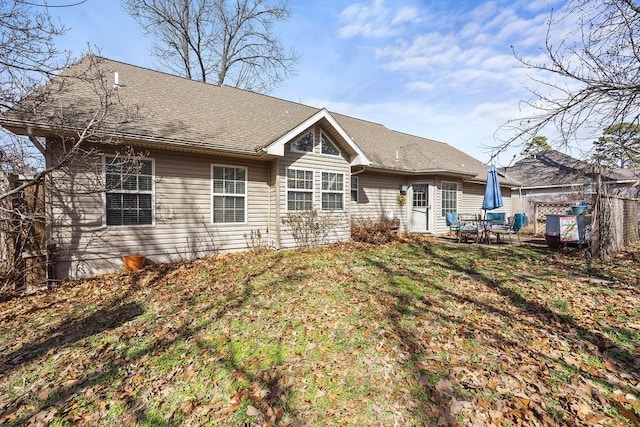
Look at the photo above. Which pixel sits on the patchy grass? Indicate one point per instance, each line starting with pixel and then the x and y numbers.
pixel 415 332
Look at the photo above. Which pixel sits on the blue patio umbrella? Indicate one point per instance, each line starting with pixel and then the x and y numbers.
pixel 492 194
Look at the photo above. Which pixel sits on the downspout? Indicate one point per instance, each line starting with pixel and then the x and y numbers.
pixel 278 241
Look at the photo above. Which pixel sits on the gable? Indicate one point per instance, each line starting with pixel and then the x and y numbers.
pixel 334 131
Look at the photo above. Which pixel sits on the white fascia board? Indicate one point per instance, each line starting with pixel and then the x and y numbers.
pixel 276 148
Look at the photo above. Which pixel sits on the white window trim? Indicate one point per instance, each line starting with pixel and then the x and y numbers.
pixel 301 190
pixel 357 189
pixel 303 135
pixel 334 192
pixel 153 191
pixel 442 199
pixel 245 195
pixel 324 135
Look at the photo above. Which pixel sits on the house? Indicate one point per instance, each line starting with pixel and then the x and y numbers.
pixel 212 165
pixel 552 176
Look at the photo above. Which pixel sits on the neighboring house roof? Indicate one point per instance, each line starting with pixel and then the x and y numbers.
pixel 551 168
pixel 626 175
pixel 548 168
pixel 159 108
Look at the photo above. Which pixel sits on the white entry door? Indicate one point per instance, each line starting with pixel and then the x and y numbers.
pixel 420 208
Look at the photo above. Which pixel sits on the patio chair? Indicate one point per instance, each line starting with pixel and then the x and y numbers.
pixel 496 218
pixel 463 231
pixel 518 222
pixel 452 221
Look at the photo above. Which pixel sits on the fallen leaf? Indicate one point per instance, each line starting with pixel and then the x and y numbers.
pixel 444 388
pixel 252 411
pixel 187 407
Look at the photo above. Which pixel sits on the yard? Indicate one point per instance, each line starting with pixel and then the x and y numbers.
pixel 419 332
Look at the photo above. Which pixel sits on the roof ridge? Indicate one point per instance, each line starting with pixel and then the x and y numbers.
pixel 194 81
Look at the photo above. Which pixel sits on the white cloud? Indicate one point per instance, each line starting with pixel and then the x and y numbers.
pixel 421 86
pixel 461 80
pixel 405 15
pixel 375 20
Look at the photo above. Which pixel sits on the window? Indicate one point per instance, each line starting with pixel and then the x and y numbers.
pixel 129 191
pixel 328 147
pixel 332 191
pixel 304 144
pixel 229 194
pixel 449 197
pixel 299 189
pixel 354 188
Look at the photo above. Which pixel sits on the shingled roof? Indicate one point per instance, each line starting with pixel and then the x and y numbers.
pixel 551 168
pixel 175 111
pixel 548 168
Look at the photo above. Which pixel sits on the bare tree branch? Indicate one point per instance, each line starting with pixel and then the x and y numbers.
pixel 219 41
pixel 590 78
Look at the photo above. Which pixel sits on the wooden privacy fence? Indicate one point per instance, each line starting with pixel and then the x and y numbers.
pixel 615 224
pixel 23 254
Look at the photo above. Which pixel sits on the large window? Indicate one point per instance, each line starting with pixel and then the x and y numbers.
pixel 229 194
pixel 327 146
pixel 332 191
pixel 304 144
pixel 129 191
pixel 449 197
pixel 354 188
pixel 299 189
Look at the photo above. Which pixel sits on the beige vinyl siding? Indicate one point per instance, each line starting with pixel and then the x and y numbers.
pixel 472 196
pixel 317 163
pixel 440 222
pixel 378 194
pixel 183 226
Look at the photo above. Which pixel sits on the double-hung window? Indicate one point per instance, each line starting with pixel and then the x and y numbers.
pixel 129 191
pixel 332 191
pixel 229 194
pixel 449 197
pixel 299 189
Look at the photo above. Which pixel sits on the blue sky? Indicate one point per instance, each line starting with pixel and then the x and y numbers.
pixel 435 68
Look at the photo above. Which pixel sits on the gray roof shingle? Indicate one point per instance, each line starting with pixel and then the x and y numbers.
pixel 176 110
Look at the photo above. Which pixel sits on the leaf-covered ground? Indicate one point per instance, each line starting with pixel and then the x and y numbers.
pixel 421 332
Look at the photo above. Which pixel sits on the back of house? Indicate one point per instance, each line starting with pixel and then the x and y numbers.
pixel 149 163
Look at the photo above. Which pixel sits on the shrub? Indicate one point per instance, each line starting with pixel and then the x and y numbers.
pixel 376 231
pixel 309 228
pixel 257 241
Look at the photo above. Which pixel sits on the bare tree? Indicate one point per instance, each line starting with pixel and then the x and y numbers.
pixel 590 76
pixel 219 41
pixel 589 80
pixel 41 119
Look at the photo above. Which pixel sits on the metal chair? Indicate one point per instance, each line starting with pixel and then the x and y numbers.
pixel 518 222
